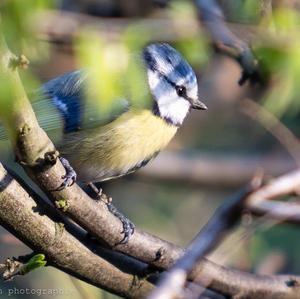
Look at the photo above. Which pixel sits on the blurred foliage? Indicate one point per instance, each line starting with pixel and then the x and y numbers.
pixel 196 49
pixel 18 19
pixel 17 23
pixel 267 240
pixel 105 63
pixel 181 9
pixel 242 11
pixel 135 38
pixel 115 68
pixel 279 57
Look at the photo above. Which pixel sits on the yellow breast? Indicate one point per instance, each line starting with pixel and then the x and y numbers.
pixel 116 148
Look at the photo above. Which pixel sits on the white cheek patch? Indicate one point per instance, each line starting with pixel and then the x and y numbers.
pixel 170 105
pixel 175 109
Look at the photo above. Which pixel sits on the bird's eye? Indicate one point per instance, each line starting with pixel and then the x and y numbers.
pixel 181 91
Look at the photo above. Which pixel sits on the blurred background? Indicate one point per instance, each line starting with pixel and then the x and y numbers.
pixel 214 154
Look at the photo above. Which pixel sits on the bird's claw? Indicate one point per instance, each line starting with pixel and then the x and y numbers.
pixel 128 230
pixel 70 176
pixel 128 226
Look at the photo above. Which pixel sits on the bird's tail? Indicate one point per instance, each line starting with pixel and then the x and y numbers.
pixel 47 115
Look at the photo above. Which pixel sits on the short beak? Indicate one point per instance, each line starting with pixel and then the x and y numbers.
pixel 196 104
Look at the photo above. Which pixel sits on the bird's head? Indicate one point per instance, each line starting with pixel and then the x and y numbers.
pixel 172 82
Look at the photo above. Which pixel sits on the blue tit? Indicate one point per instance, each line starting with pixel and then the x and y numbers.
pixel 103 149
pixel 132 136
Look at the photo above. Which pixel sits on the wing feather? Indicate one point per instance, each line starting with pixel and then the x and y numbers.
pixel 60 104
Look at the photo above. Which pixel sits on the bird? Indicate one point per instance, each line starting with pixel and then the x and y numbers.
pixel 96 151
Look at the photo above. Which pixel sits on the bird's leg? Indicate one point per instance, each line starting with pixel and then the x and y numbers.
pixel 70 176
pixel 128 226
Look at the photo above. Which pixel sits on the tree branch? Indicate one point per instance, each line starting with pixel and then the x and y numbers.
pixel 225 280
pixel 226 42
pixel 212 170
pixel 20 215
pixel 172 285
pixel 261 202
pixel 221 279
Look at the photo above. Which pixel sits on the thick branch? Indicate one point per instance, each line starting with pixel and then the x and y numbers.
pixel 20 215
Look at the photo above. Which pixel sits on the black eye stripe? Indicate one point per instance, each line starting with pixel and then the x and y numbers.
pixel 181 90
pixel 164 77
pixel 181 93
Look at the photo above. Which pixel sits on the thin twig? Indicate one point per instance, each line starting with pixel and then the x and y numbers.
pixel 272 124
pixel 208 238
pixel 226 42
pixel 262 201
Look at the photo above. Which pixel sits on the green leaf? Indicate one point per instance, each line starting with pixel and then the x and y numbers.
pixel 35 262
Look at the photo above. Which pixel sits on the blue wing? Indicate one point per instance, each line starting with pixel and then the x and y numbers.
pixel 65 93
pixel 60 104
